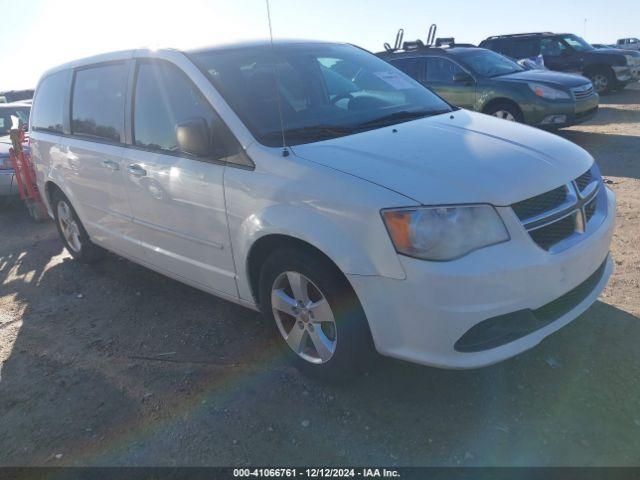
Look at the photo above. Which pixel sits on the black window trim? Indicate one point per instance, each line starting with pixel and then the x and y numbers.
pixel 130 120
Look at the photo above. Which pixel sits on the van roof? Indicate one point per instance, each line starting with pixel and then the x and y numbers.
pixel 128 54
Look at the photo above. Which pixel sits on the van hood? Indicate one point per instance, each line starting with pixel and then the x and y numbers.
pixel 547 77
pixel 458 157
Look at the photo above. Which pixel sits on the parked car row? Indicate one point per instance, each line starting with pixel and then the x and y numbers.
pixel 317 183
pixel 542 79
pixel 608 69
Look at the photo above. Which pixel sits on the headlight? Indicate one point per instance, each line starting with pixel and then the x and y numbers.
pixel 444 233
pixel 547 92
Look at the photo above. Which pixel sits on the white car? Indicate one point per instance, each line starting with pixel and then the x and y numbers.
pixel 320 185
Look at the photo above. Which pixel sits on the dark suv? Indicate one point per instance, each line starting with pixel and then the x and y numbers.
pixel 607 69
pixel 485 81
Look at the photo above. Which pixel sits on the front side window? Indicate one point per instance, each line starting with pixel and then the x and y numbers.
pixel 441 70
pixel 165 98
pixel 98 102
pixel 321 90
pixel 489 64
pixel 49 103
pixel 552 47
pixel 577 43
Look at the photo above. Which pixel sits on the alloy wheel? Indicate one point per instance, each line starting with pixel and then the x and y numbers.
pixel 505 115
pixel 304 317
pixel 600 82
pixel 68 226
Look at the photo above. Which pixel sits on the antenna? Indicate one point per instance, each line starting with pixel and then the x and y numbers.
pixel 285 151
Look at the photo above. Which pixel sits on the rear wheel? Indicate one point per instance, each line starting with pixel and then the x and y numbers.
pixel 317 315
pixel 72 233
pixel 506 111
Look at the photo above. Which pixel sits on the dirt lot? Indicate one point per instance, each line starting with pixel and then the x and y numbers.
pixel 116 365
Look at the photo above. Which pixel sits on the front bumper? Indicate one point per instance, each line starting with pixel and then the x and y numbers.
pixel 421 318
pixel 571 112
pixel 623 75
pixel 8 185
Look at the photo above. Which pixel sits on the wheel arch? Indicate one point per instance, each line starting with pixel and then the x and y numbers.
pixel 266 245
pixel 597 67
pixel 281 226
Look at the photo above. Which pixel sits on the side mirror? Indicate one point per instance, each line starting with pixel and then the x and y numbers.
pixel 462 77
pixel 194 137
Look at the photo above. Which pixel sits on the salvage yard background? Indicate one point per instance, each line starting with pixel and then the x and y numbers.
pixel 113 364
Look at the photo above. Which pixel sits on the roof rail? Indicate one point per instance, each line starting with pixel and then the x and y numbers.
pixel 416 45
pixel 493 37
pixel 448 41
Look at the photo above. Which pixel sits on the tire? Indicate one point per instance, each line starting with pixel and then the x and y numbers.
pixel 603 81
pixel 505 110
pixel 348 336
pixel 72 232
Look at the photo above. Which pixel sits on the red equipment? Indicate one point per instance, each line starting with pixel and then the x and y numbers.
pixel 25 175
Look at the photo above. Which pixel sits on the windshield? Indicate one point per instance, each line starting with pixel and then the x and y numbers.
pixel 13 117
pixel 577 43
pixel 490 64
pixel 324 91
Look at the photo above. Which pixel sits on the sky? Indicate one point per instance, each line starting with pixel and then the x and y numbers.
pixel 38 34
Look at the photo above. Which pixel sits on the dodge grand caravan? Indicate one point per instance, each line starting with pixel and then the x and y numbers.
pixel 314 182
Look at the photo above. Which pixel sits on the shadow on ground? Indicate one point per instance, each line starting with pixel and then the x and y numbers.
pixel 113 364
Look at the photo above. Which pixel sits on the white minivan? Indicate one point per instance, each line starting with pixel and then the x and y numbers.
pixel 353 207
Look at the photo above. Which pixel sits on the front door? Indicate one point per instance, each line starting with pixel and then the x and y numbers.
pixel 441 76
pixel 560 56
pixel 177 198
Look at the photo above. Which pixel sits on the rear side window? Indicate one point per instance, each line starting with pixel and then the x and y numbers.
pixel 97 108
pixel 164 98
pixel 48 106
pixel 522 48
pixel 410 66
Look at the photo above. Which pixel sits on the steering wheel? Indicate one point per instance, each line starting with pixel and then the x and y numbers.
pixel 339 97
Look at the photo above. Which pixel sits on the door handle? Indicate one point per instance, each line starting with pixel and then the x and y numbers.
pixel 136 170
pixel 111 165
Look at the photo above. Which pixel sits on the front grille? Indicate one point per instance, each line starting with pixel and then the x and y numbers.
pixel 500 330
pixel 540 204
pixel 562 213
pixel 553 233
pixel 590 209
pixel 581 93
pixel 584 180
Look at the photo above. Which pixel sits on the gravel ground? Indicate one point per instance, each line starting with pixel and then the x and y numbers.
pixel 116 365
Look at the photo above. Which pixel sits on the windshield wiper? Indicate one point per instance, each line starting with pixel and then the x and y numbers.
pixel 402 116
pixel 317 132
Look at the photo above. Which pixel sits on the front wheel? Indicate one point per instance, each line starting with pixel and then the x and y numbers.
pixel 505 111
pixel 322 326
pixel 603 81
